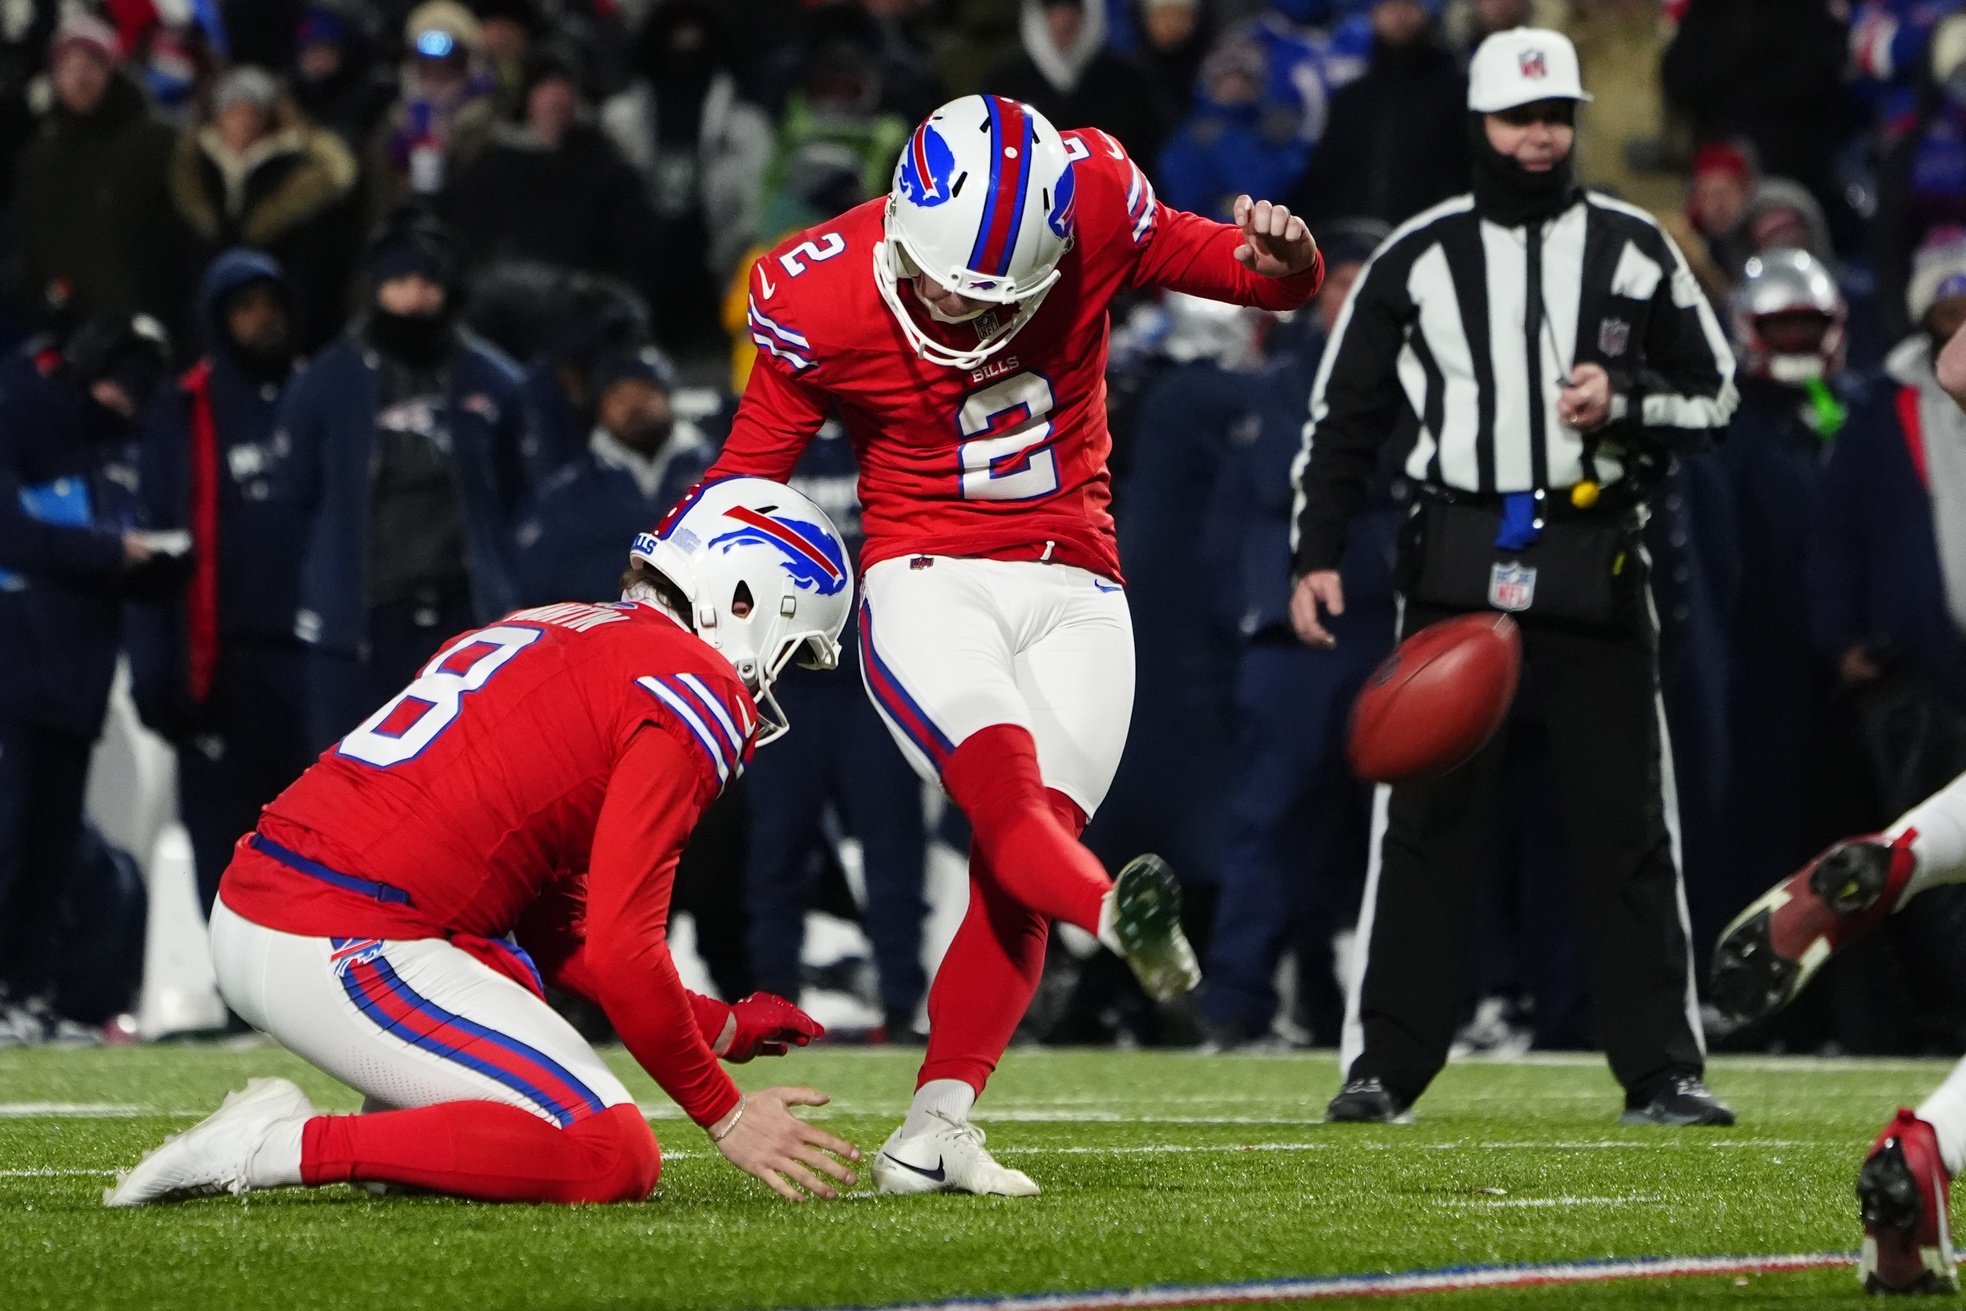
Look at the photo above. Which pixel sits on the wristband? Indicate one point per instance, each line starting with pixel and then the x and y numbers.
pixel 736 1115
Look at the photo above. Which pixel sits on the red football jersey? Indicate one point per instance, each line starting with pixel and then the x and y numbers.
pixel 557 759
pixel 1004 461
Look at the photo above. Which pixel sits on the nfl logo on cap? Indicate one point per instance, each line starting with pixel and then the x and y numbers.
pixel 1521 66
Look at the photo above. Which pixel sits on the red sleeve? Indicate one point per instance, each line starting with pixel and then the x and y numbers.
pixel 1186 252
pixel 781 408
pixel 1174 249
pixel 554 933
pixel 658 791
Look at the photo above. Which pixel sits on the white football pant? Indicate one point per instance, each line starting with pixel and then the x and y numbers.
pixel 949 646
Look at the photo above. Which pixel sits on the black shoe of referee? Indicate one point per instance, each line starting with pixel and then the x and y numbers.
pixel 1367 1101
pixel 1683 1099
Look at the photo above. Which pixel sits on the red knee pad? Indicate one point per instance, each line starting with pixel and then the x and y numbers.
pixel 630 1159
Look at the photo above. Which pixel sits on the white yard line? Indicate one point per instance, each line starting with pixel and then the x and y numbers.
pixel 1419 1281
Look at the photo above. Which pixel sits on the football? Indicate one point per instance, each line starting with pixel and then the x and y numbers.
pixel 1437 699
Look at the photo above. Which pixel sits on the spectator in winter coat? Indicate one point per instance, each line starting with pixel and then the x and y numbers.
pixel 1066 72
pixel 258 174
pixel 1888 558
pixel 640 460
pixel 216 668
pixel 338 81
pixel 1175 36
pixel 408 455
pixel 1310 49
pixel 1398 140
pixel 69 556
pixel 1770 71
pixel 1234 142
pixel 96 164
pixel 1921 184
pixel 444 111
pixel 699 146
pixel 551 188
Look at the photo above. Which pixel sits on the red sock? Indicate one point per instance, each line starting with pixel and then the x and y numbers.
pixel 488 1151
pixel 985 982
pixel 1027 833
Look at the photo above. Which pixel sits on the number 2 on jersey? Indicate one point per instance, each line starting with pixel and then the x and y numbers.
pixel 412 720
pixel 1006 452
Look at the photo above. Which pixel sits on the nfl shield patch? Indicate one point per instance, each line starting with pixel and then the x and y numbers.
pixel 1613 335
pixel 1532 64
pixel 1512 586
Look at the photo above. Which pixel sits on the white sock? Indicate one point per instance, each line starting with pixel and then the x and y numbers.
pixel 275 1163
pixel 950 1097
pixel 1945 1111
pixel 1940 846
pixel 1108 916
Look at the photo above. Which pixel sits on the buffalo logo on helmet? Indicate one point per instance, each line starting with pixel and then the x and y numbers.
pixel 1063 204
pixel 812 555
pixel 926 167
pixel 1532 64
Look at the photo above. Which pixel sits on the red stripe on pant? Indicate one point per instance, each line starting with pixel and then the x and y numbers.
pixel 411 1024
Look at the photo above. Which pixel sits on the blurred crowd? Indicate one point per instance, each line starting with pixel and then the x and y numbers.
pixel 334 327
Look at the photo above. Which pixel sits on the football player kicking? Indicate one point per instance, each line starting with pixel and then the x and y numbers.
pixel 958 327
pixel 539 778
pixel 1775 946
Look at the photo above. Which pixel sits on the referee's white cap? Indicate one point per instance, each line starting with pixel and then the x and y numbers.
pixel 1521 66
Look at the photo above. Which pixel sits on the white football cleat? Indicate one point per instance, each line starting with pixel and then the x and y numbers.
pixel 213 1155
pixel 949 1158
pixel 1140 919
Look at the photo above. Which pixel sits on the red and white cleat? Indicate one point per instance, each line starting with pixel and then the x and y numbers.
pixel 1904 1191
pixel 1775 946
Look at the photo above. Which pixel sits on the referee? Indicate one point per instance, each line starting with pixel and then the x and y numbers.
pixel 1554 350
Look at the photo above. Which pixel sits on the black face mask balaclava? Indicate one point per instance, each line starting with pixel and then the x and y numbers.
pixel 1507 193
pixel 420 341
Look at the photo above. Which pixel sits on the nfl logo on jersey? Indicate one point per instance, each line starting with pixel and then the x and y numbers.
pixel 1512 586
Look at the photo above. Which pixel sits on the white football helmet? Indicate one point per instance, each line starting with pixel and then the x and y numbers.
pixel 1789 317
pixel 982 203
pixel 758 546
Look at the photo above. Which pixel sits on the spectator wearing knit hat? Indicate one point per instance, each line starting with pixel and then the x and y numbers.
pixel 408 442
pixel 338 82
pixel 97 160
pixel 444 112
pixel 256 173
pixel 1921 184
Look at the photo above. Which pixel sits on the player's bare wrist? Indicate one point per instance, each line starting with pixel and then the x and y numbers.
pixel 723 1126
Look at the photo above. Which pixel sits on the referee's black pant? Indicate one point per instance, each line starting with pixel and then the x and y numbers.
pixel 1597 691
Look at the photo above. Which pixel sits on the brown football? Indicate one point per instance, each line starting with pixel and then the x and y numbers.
pixel 1437 699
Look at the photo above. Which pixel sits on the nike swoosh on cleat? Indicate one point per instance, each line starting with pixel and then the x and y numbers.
pixel 937 1175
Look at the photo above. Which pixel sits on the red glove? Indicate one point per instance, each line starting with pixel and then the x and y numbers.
pixel 764 1025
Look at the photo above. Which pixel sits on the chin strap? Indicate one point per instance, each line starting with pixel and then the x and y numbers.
pixel 888 278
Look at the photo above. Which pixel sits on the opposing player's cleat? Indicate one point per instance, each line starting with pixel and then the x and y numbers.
pixel 1142 922
pixel 1367 1101
pixel 1775 946
pixel 1904 1192
pixel 949 1158
pixel 213 1156
pixel 1684 1099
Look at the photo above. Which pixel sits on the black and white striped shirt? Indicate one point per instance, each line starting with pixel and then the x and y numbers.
pixel 1468 327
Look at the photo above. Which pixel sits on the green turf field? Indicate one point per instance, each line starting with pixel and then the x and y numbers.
pixel 1158 1169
